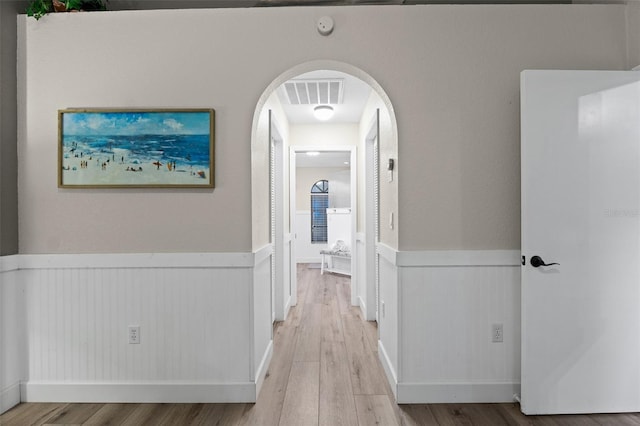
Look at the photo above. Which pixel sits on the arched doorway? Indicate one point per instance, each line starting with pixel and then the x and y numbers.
pixel 272 218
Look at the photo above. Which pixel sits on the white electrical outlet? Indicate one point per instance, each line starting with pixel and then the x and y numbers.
pixel 134 334
pixel 497 334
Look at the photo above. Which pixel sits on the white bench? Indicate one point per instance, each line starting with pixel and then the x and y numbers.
pixel 338 262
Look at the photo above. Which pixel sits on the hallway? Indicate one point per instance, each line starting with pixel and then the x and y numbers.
pixel 325 368
pixel 324 371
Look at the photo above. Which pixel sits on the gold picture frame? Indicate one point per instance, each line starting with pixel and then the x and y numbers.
pixel 136 148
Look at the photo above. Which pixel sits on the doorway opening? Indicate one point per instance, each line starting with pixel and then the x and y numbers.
pixel 283 125
pixel 323 196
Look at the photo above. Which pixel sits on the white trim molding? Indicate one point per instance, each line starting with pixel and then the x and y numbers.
pixel 9 397
pixel 462 258
pixel 170 392
pixel 261 372
pixel 443 393
pixel 9 263
pixel 137 260
pixel 262 254
pixel 388 253
pixel 389 371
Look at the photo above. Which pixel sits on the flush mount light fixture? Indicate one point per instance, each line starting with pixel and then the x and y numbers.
pixel 323 112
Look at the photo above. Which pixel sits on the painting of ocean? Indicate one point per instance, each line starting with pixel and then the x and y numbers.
pixel 150 148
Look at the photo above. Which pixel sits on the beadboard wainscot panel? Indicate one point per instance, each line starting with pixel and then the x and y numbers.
pixel 388 326
pixel 448 303
pixel 282 290
pixel 286 276
pixel 195 317
pixel 12 332
pixel 361 276
pixel 262 330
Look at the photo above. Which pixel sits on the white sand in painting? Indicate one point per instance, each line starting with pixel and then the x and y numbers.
pixel 116 173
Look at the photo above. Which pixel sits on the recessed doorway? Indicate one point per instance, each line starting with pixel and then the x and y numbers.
pixel 288 104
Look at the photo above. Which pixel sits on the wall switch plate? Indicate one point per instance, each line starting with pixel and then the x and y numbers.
pixel 497 333
pixel 382 308
pixel 391 220
pixel 134 334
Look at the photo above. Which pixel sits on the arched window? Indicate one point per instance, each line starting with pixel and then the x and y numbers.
pixel 319 205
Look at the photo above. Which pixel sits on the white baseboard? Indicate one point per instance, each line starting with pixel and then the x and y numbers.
pixel 363 307
pixel 171 392
pixel 261 372
pixel 9 397
pixel 309 259
pixel 439 393
pixel 389 371
pixel 287 308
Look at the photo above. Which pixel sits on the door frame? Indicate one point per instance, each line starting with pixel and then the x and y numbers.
pixel 280 235
pixel 352 149
pixel 371 220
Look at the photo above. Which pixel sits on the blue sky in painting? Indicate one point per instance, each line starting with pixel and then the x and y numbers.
pixel 135 123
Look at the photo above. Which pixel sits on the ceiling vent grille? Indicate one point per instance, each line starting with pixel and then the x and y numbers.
pixel 314 92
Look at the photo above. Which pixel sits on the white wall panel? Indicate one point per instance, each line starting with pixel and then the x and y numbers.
pixel 388 325
pixel 447 354
pixel 195 321
pixel 192 323
pixel 261 314
pixel 447 318
pixel 361 276
pixel 435 328
pixel 12 333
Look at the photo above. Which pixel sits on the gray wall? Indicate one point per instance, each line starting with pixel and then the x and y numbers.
pixel 8 120
pixel 451 72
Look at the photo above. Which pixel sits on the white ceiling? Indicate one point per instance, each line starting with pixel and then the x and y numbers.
pixel 323 159
pixel 355 95
pixel 187 4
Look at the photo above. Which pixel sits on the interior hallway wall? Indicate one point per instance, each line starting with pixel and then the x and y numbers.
pixel 458 124
pixel 8 128
pixel 452 75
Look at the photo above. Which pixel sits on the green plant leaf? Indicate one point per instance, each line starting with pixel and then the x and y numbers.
pixel 39 8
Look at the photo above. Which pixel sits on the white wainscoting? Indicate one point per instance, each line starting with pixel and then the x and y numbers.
pixel 361 276
pixel 282 291
pixel 388 326
pixel 203 337
pixel 12 332
pixel 447 302
pixel 262 330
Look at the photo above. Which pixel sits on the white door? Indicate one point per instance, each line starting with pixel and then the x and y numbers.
pixel 580 153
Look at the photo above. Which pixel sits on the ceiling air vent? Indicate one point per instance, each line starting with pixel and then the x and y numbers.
pixel 314 92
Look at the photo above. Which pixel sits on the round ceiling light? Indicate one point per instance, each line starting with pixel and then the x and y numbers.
pixel 323 112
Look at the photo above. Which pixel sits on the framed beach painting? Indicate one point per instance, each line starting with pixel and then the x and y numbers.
pixel 161 148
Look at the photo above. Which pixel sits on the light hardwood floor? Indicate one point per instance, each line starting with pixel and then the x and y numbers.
pixel 325 371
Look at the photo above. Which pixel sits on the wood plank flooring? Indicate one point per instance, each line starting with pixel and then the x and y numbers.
pixel 324 372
